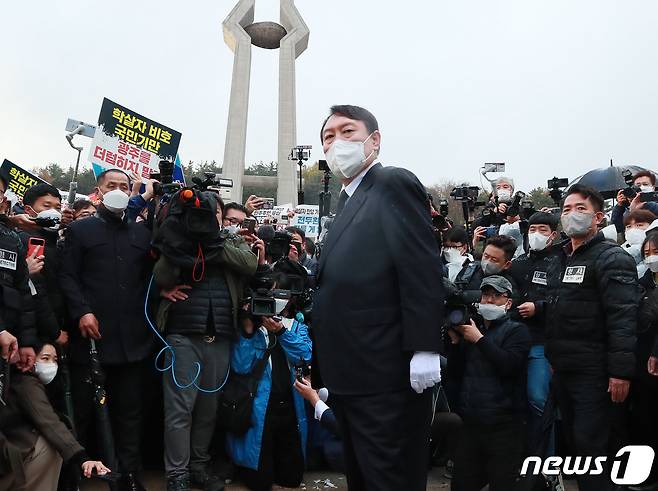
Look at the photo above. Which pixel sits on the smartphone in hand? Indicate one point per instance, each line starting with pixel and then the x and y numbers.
pixel 36 244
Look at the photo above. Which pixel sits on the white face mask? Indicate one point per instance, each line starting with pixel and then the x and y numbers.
pixel 232 229
pixel 45 371
pixel 538 241
pixel 635 236
pixel 491 312
pixel 647 189
pixel 577 223
pixel 504 195
pixel 116 201
pixel 452 255
pixel 346 158
pixel 280 305
pixel 652 263
pixel 51 214
pixel 489 268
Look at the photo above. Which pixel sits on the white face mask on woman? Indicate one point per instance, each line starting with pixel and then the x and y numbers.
pixel 45 371
pixel 652 263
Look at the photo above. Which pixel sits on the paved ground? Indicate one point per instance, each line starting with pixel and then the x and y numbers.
pixel 312 481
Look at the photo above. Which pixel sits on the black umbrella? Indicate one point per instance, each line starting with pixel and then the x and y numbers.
pixel 607 180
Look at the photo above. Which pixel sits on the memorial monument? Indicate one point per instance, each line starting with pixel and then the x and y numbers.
pixel 290 36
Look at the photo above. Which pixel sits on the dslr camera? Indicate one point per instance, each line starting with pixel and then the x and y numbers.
pixel 514 208
pixel 630 191
pixel 460 303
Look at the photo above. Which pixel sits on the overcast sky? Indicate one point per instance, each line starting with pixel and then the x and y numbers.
pixel 552 88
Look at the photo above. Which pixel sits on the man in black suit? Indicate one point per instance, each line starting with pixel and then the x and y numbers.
pixel 104 276
pixel 379 309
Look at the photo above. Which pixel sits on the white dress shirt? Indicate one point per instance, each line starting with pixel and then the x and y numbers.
pixel 352 186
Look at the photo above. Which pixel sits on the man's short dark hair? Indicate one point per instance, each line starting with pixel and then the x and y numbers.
pixel 507 244
pixel 456 235
pixel 543 218
pixel 588 193
pixel 42 189
pixel 646 173
pixel 235 206
pixel 101 177
pixel 297 230
pixel 639 216
pixel 353 112
pixel 81 204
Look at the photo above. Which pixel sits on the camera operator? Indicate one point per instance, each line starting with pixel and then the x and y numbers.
pixel 636 223
pixel 105 269
pixel 455 251
pixel 495 212
pixel 34 442
pixel 202 293
pixel 590 335
pixel 44 201
pixel 272 450
pixel 496 260
pixel 486 375
pixel 643 182
pixel 299 241
pixel 531 272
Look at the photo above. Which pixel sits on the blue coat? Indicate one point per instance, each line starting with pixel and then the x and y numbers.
pixel 245 449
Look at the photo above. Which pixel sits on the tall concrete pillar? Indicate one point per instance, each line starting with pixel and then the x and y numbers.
pixel 291 37
pixel 236 129
pixel 292 46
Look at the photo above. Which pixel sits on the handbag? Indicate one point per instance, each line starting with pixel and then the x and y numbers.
pixel 236 401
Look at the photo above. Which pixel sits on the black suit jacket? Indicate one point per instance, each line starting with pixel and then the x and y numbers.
pixel 105 271
pixel 380 295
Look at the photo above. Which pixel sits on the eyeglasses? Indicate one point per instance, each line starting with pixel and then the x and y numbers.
pixel 494 295
pixel 233 220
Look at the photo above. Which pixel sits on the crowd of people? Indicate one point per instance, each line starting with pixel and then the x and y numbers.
pixel 158 319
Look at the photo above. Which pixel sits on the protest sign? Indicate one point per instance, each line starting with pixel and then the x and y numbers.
pixel 18 179
pixel 307 218
pixel 268 216
pixel 130 142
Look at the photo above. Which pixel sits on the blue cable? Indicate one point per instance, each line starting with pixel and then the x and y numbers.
pixel 168 347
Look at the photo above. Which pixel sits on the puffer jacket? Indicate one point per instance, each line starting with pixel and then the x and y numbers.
pixel 214 301
pixel 592 311
pixel 486 381
pixel 531 272
pixel 245 450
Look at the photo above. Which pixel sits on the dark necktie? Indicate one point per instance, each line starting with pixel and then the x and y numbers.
pixel 342 199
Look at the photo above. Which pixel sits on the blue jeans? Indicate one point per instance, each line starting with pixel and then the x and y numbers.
pixel 539 379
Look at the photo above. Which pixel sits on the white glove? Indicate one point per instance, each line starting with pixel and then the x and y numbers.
pixel 424 370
